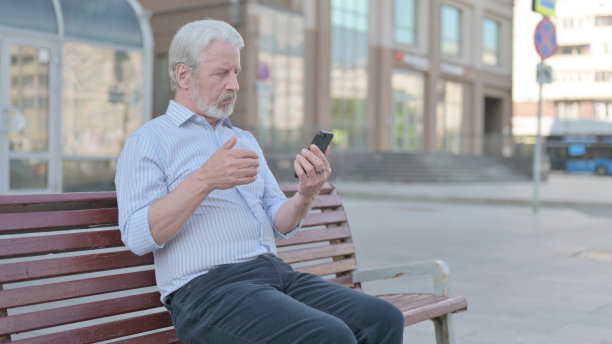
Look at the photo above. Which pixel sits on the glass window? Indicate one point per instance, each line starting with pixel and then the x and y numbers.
pixel 451 30
pixel 490 42
pixel 38 15
pixel 29 93
pixel 28 174
pixel 407 107
pixel 568 110
pixel 163 91
pixel 404 16
pixel 111 21
pixel 449 116
pixel 603 21
pixel 280 78
pixel 102 99
pixel 349 75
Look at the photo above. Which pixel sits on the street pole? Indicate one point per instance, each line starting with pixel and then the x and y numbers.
pixel 537 153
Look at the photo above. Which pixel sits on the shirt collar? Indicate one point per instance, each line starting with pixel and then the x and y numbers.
pixel 179 115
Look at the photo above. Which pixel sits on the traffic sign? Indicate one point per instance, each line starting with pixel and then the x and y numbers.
pixel 545 7
pixel 544 75
pixel 545 38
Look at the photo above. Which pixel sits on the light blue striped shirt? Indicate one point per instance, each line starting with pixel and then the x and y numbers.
pixel 230 226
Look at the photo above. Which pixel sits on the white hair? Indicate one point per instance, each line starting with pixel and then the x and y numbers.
pixel 191 41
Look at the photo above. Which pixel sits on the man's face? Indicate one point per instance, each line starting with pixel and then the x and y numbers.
pixel 215 86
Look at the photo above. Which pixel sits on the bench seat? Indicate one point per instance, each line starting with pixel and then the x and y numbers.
pixel 66 277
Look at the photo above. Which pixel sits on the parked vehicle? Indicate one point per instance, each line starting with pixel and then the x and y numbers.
pixel 595 159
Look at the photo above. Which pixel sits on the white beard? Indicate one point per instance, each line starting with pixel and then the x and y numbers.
pixel 221 112
pixel 215 110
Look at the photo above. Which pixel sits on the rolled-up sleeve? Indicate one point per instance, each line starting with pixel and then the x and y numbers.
pixel 140 181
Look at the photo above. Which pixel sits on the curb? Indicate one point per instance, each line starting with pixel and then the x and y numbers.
pixel 473 200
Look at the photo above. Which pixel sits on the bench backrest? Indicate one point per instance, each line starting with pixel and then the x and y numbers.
pixel 65 275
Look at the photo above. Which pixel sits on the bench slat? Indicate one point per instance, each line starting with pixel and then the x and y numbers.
pixel 106 331
pixel 315 235
pixel 327 201
pixel 22 223
pixel 67 290
pixel 63 201
pixel 313 253
pixel 420 311
pixel 31 246
pixel 165 337
pixel 291 189
pixel 339 266
pixel 37 269
pixel 72 314
pixel 324 218
pixel 346 280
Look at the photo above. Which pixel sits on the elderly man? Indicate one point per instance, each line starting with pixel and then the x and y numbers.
pixel 196 191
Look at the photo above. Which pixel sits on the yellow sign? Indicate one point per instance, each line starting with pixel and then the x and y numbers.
pixel 545 7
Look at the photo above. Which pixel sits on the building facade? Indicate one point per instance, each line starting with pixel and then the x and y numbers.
pixel 388 75
pixel 577 105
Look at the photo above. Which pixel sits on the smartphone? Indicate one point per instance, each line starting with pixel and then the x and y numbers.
pixel 322 139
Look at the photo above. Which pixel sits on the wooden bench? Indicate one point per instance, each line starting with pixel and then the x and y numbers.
pixel 66 277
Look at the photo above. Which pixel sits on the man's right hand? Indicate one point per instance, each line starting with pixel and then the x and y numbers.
pixel 229 167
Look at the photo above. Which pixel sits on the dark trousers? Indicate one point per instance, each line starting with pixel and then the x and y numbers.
pixel 265 301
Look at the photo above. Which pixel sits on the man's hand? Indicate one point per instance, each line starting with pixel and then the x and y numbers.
pixel 313 169
pixel 229 167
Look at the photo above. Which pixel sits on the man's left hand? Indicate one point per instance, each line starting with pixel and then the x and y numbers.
pixel 312 168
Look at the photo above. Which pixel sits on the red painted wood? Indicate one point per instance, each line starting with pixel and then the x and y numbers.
pixel 337 267
pixel 67 290
pixel 31 246
pixel 20 222
pixel 315 235
pixel 31 270
pixel 71 314
pixel 327 201
pixel 111 330
pixel 319 252
pixel 165 337
pixel 325 218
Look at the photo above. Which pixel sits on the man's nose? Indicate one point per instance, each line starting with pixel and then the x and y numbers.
pixel 233 83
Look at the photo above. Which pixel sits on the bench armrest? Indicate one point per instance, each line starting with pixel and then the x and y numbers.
pixel 435 268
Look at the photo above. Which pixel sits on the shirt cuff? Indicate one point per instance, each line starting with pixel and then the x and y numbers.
pixel 277 234
pixel 289 234
pixel 140 240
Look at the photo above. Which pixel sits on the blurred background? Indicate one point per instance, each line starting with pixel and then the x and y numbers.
pixel 434 107
pixel 414 90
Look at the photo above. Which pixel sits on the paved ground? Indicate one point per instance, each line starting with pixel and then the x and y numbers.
pixel 528 278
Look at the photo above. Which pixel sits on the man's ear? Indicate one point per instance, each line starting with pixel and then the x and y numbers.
pixel 183 76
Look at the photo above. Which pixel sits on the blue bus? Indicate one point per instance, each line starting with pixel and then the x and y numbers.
pixel 589 158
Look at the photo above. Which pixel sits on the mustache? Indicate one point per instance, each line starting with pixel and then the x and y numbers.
pixel 226 96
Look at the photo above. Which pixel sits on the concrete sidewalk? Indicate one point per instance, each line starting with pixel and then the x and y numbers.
pixel 528 279
pixel 558 190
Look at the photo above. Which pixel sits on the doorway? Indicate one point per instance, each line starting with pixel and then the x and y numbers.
pixel 493 126
pixel 28 118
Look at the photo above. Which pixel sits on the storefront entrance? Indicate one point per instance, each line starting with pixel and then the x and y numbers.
pixel 29 140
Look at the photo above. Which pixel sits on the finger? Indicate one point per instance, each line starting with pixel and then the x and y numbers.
pixel 245 153
pixel 316 159
pixel 299 171
pixel 306 165
pixel 230 143
pixel 320 155
pixel 244 163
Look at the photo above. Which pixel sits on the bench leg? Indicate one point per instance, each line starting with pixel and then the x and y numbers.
pixel 444 329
